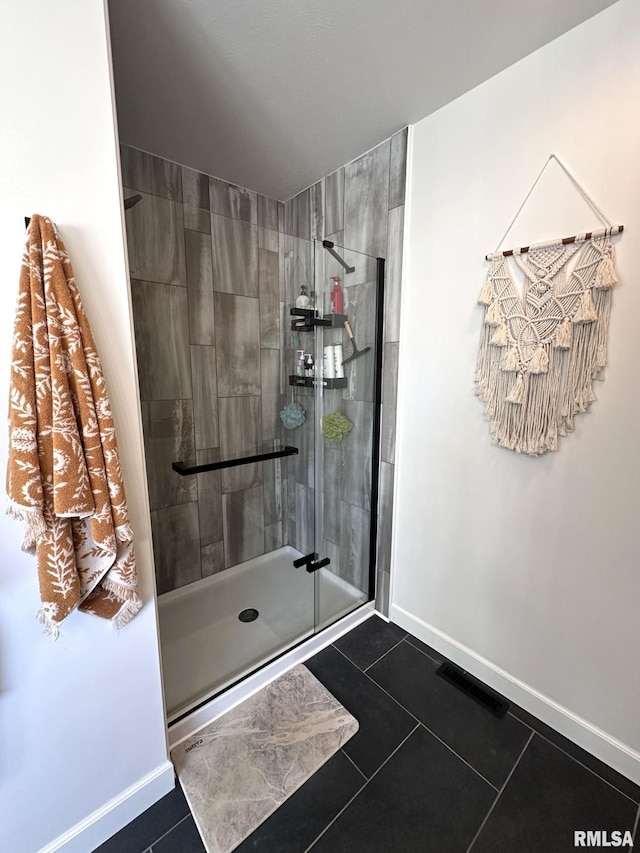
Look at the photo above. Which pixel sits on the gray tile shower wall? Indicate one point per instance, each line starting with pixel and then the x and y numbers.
pixel 214 269
pixel 153 175
pixel 237 331
pixel 206 261
pixel 156 248
pixel 361 207
pixel 160 318
pixel 169 433
pixel 199 286
pixel 366 201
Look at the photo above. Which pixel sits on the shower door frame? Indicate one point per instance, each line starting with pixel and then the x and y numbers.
pixel 334 250
pixel 376 448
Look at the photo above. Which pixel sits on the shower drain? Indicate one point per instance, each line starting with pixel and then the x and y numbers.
pixel 248 615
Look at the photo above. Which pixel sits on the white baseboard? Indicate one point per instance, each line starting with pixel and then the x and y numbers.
pixel 95 829
pixel 218 706
pixel 597 742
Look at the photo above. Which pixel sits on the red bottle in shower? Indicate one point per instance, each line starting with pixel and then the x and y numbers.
pixel 336 295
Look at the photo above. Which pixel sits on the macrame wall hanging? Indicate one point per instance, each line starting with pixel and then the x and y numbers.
pixel 540 352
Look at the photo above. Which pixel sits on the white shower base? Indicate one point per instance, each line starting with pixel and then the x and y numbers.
pixel 205 647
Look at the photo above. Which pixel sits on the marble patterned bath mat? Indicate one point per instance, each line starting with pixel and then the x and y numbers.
pixel 237 770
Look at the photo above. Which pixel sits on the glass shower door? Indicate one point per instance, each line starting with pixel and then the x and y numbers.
pixel 349 298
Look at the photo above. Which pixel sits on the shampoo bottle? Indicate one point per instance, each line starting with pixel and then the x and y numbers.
pixel 308 365
pixel 336 295
pixel 303 300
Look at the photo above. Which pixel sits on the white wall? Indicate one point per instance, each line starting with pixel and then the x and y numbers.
pixel 526 570
pixel 82 718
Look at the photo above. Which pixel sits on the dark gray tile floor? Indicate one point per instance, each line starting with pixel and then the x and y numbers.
pixel 430 771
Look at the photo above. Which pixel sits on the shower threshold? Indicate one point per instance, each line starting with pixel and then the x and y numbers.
pixel 206 647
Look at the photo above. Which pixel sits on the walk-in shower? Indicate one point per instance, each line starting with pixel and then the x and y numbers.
pixel 263 534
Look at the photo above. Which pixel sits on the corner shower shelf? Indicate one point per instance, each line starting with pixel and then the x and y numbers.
pixel 311 382
pixel 238 459
pixel 308 319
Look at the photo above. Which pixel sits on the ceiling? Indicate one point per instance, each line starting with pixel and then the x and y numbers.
pixel 275 94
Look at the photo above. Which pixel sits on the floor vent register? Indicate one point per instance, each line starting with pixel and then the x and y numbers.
pixel 466 683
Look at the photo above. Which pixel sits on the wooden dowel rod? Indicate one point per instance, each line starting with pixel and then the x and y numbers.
pixel 577 238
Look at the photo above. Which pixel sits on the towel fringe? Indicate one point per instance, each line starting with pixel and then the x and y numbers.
pixel 124 533
pixel 120 590
pixel 126 613
pixel 36 526
pixel 50 627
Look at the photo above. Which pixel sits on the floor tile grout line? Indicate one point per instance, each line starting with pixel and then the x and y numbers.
pixel 422 651
pixel 420 723
pixel 360 790
pixel 577 760
pixel 495 802
pixel 384 654
pixel 354 764
pixel 457 755
pixel 597 775
pixel 515 717
pixel 164 834
pixel 527 725
pixel 380 687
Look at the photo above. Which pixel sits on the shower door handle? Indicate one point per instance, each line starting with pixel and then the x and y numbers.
pixel 307 560
pixel 313 566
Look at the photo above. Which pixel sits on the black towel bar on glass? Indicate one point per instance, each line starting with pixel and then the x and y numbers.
pixel 263 455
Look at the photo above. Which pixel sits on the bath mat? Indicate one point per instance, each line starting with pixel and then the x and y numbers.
pixel 237 770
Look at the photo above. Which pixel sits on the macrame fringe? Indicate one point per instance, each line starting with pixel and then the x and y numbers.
pixel 126 613
pixel 499 338
pixel 517 392
pixel 539 362
pixel 564 335
pixel 601 357
pixel 603 307
pixel 605 276
pixel 586 312
pixel 510 361
pixel 486 294
pixel 36 526
pixel 493 316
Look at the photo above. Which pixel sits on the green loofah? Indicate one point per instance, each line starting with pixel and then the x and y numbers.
pixel 335 426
